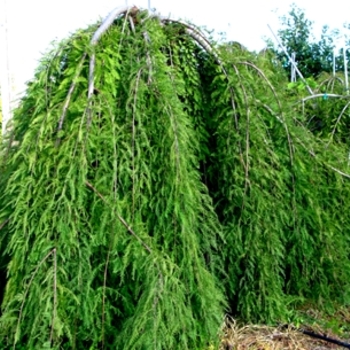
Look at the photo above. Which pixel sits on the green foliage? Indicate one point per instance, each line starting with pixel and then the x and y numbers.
pixel 279 227
pixel 181 184
pixel 111 231
pixel 313 57
pixel 326 112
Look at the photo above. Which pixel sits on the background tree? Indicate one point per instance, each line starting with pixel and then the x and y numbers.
pixel 325 114
pixel 313 57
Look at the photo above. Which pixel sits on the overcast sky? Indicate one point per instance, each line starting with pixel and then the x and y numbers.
pixel 33 24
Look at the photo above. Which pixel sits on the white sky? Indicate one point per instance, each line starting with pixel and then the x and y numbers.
pixel 33 24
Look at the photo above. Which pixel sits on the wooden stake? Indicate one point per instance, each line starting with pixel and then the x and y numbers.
pixel 346 71
pixel 291 61
pixel 292 75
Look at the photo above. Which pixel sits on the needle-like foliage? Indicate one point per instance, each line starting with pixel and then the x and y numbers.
pixel 152 178
pixel 277 192
pixel 111 230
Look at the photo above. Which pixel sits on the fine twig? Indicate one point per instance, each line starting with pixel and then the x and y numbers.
pixel 148 57
pixel 161 277
pixel 88 184
pixel 340 172
pixel 173 122
pixel 54 311
pixel 26 292
pixel 104 295
pixel 132 25
pixel 134 110
pixel 246 105
pixel 260 72
pixel 197 35
pixel 337 122
pixel 107 22
pixel 313 154
pixel 68 97
pixel 90 87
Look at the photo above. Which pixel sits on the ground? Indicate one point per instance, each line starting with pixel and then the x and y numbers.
pixel 289 337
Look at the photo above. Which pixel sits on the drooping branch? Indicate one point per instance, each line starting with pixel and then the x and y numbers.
pixel 26 292
pixel 108 21
pixel 261 73
pixel 54 311
pixel 134 110
pixel 130 230
pixel 324 96
pixel 68 98
pixel 197 36
pixel 340 172
pixel 337 122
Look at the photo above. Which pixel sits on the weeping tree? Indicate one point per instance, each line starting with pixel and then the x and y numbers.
pixel 279 194
pixel 153 181
pixel 118 231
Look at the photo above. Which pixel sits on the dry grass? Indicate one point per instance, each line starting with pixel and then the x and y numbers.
pixel 271 338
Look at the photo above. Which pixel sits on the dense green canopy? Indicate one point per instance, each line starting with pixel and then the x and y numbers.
pixel 154 180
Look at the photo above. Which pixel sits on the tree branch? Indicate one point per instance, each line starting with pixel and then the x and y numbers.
pixel 88 184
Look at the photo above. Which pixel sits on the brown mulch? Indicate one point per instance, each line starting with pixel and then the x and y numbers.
pixel 269 338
